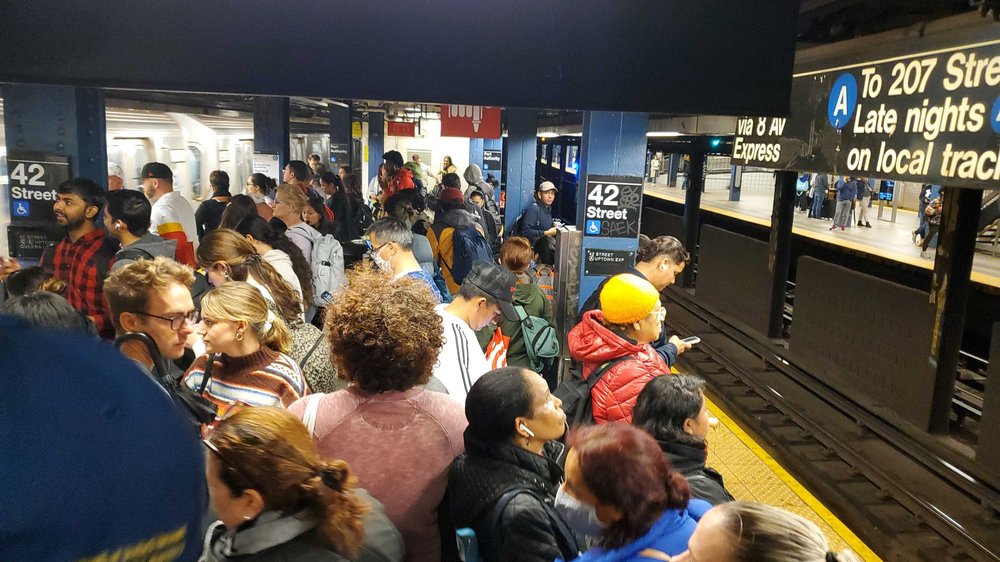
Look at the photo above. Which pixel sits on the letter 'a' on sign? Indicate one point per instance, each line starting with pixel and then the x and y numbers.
pixel 843 100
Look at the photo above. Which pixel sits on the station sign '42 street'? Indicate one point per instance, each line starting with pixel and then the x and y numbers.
pixel 929 118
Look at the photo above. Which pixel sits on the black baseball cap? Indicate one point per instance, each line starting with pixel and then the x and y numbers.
pixel 497 282
pixel 156 170
pixel 395 157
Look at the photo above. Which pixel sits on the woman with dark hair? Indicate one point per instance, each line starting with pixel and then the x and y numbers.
pixel 619 484
pixel 398 436
pixel 286 258
pixel 674 411
pixel 313 215
pixel 259 187
pixel 504 483
pixel 210 211
pixel 239 208
pixel 275 497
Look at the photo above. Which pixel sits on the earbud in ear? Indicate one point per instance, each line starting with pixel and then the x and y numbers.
pixel 118 227
pixel 525 429
pixel 663 268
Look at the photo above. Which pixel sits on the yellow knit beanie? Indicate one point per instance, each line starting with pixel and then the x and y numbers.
pixel 626 299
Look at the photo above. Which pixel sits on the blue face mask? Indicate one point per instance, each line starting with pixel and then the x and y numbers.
pixel 581 517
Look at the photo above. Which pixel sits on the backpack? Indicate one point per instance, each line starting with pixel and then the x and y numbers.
pixel 363 218
pixel 545 279
pixel 467 247
pixel 575 394
pixel 540 339
pixel 327 269
pixel 133 254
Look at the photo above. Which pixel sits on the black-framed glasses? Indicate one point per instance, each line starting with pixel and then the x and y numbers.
pixel 372 249
pixel 178 320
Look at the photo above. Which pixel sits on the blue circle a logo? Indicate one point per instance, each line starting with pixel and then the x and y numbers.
pixel 843 100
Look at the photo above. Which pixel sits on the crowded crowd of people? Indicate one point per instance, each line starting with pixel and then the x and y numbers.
pixel 326 374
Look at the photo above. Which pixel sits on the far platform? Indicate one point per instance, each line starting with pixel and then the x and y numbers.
pixel 885 239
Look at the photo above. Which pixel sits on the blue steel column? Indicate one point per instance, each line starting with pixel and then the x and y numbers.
pixel 60 120
pixel 376 142
pixel 476 153
pixel 613 144
pixel 271 128
pixel 522 128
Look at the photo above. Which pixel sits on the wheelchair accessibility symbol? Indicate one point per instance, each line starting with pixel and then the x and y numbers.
pixel 22 209
pixel 593 226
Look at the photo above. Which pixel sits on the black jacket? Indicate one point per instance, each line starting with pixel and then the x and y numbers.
pixel 706 483
pixel 482 474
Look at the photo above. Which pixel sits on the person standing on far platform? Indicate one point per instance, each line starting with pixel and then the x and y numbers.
pixel 846 192
pixel 933 215
pixel 865 190
pixel 821 184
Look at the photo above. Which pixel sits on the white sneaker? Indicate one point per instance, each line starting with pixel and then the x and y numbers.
pixel 924 255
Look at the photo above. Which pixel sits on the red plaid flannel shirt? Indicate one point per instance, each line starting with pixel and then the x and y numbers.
pixel 84 265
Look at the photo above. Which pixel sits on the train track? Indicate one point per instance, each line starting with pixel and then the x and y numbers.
pixel 891 492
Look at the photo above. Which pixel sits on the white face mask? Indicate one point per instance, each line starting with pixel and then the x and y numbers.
pixel 380 262
pixel 581 517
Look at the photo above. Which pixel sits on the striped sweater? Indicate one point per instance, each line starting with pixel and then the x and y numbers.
pixel 263 378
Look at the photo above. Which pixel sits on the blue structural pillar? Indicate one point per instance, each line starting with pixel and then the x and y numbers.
pixel 271 129
pixel 376 142
pixel 609 198
pixel 341 147
pixel 61 120
pixel 53 133
pixel 476 153
pixel 519 171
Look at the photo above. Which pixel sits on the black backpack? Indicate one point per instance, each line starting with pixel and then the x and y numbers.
pixel 575 393
pixel 199 410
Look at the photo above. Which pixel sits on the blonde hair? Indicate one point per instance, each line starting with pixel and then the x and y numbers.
pixel 128 289
pixel 293 195
pixel 239 255
pixel 242 302
pixel 763 533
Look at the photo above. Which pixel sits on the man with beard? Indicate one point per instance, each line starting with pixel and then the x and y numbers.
pixel 172 216
pixel 83 258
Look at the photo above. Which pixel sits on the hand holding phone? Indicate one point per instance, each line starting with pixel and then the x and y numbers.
pixel 693 340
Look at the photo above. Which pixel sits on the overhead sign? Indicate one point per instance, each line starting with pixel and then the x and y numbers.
pixel 400 129
pixel 492 160
pixel 470 121
pixel 267 164
pixel 598 261
pixel 339 153
pixel 929 118
pixel 33 179
pixel 613 206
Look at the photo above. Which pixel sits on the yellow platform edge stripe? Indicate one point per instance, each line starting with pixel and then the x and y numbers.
pixel 981 278
pixel 852 540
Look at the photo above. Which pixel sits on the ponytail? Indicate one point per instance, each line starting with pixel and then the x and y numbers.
pixel 276 335
pixel 332 498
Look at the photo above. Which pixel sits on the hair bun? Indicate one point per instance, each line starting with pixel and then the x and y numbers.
pixel 334 475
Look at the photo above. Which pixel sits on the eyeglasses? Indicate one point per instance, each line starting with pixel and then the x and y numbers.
pixel 661 314
pixel 373 249
pixel 178 320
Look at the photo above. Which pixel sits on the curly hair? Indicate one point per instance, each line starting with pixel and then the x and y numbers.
pixel 624 467
pixel 384 333
pixel 270 451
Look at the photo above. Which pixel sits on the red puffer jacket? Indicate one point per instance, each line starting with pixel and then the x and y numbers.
pixel 615 394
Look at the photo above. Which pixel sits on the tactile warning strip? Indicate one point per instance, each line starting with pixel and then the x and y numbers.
pixel 752 474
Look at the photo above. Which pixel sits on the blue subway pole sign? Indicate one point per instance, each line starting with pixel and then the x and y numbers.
pixel 613 206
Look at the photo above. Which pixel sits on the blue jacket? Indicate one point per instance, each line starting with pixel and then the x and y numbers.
pixel 669 535
pixel 536 220
pixel 846 190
